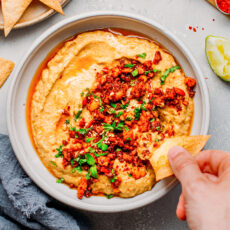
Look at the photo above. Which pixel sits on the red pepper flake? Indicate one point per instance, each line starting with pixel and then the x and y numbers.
pixel 206 78
pixel 213 19
pixel 64 142
pixel 202 28
pixel 194 29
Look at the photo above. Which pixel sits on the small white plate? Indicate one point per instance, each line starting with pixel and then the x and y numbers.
pixel 35 13
pixel 25 71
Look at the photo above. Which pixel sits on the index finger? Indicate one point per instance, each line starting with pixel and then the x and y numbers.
pixel 214 161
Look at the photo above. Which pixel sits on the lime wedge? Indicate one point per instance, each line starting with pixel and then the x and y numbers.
pixel 217 51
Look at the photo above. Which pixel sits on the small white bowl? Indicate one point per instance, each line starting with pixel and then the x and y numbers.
pixel 220 9
pixel 24 73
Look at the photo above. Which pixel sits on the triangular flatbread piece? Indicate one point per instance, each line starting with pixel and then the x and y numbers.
pixel 54 4
pixel 12 11
pixel 159 159
pixel 6 68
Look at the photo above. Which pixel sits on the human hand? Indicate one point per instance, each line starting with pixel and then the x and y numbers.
pixel 205 180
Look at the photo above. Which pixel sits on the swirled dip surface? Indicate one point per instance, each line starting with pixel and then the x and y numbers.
pixel 103 105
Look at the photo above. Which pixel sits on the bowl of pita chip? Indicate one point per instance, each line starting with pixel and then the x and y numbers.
pixel 97 103
pixel 22 13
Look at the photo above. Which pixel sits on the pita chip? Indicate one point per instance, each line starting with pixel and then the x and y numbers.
pixel 54 4
pixel 6 68
pixel 159 159
pixel 12 11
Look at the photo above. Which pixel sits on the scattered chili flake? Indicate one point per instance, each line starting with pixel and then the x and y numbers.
pixel 194 29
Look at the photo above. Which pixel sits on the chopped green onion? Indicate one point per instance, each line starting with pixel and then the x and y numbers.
pixel 102 139
pixel 143 55
pixel 109 196
pixel 100 154
pixel 142 106
pixel 59 154
pixel 113 179
pixel 72 162
pixel 82 161
pixel 92 150
pixel 88 176
pixel 102 146
pixel 135 73
pixel 87 140
pixel 53 163
pixel 119 127
pixel 83 131
pixel 129 65
pixel 77 116
pixel 102 109
pixel 137 113
pixel 124 106
pixel 88 92
pixel 78 168
pixel 119 114
pixel 152 70
pixel 128 118
pixel 93 170
pixel 89 159
pixel 114 105
pixel 133 83
pixel 71 128
pixel 60 180
pixel 167 72
pixel 111 111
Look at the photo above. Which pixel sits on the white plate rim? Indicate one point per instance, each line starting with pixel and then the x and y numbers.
pixel 48 32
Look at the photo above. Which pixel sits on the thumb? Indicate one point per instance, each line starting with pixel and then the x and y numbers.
pixel 183 165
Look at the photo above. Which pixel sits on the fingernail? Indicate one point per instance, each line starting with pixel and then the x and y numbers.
pixel 174 151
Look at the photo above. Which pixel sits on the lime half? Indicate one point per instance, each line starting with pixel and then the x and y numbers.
pixel 217 51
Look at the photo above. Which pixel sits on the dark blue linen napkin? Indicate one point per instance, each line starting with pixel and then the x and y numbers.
pixel 23 205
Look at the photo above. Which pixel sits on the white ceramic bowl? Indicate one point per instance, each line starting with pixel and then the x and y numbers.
pixel 25 71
